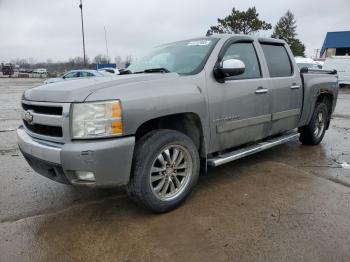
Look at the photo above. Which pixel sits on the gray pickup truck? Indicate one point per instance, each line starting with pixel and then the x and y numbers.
pixel 183 107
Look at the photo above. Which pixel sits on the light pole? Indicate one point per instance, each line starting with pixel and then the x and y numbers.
pixel 82 29
pixel 106 45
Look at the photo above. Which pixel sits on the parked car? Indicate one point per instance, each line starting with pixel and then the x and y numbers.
pixel 7 70
pixel 111 70
pixel 320 63
pixel 342 65
pixel 185 106
pixel 307 62
pixel 40 71
pixel 75 74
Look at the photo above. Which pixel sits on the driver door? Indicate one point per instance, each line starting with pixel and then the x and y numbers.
pixel 240 107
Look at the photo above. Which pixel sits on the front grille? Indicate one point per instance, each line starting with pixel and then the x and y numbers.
pixel 45 120
pixel 47 110
pixel 54 131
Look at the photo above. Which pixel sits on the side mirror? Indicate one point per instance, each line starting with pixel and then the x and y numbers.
pixel 230 67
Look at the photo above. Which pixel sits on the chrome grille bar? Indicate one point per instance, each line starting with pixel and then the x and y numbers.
pixel 41 117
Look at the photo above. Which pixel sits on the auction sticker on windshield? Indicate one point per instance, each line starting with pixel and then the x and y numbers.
pixel 199 43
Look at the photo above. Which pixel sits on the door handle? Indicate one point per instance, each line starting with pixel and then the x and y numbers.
pixel 295 87
pixel 261 90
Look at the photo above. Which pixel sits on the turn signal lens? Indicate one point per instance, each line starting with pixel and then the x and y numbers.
pixel 117 127
pixel 116 109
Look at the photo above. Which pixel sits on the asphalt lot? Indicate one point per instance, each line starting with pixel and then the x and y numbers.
pixel 290 203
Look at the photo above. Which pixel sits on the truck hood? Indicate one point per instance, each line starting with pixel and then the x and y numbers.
pixel 78 90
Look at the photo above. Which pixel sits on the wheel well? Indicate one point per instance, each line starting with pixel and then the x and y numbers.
pixel 186 123
pixel 328 100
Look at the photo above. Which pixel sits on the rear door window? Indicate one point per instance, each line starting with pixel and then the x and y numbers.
pixel 278 60
pixel 86 74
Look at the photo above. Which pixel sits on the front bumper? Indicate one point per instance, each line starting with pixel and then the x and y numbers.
pixel 110 159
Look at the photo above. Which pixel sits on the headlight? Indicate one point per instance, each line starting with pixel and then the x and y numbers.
pixel 97 119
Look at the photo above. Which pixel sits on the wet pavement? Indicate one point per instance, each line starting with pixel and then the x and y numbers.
pixel 290 203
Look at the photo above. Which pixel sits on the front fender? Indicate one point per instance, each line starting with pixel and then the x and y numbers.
pixel 144 101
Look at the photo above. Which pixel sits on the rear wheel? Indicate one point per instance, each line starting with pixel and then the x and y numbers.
pixel 313 133
pixel 165 170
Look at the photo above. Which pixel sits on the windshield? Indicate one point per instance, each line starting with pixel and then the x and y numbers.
pixel 185 57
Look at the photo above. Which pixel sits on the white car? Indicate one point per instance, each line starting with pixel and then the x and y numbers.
pixel 111 70
pixel 40 71
pixel 307 62
pixel 342 65
pixel 75 74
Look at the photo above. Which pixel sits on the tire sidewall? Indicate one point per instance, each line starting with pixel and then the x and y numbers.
pixel 150 150
pixel 321 107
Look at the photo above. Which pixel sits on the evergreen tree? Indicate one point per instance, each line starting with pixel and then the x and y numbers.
pixel 240 22
pixel 286 29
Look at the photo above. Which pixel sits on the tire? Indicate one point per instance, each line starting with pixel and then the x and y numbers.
pixel 313 133
pixel 153 170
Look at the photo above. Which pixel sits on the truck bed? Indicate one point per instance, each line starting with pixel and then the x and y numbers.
pixel 316 82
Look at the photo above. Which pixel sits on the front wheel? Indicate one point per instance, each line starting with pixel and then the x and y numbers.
pixel 165 170
pixel 313 133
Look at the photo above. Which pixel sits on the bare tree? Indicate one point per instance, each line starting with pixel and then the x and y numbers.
pixel 100 59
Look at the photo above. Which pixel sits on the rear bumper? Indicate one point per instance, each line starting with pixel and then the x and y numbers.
pixel 110 160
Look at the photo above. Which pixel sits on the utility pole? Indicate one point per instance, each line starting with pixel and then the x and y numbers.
pixel 317 52
pixel 106 44
pixel 82 30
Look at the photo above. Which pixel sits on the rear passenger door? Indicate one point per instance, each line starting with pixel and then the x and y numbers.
pixel 286 91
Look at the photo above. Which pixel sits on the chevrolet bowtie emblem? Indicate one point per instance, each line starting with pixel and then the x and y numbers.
pixel 28 117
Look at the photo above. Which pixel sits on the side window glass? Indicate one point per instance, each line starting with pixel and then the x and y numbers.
pixel 278 60
pixel 69 75
pixel 246 53
pixel 86 74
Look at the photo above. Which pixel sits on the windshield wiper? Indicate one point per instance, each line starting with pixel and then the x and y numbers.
pixel 154 70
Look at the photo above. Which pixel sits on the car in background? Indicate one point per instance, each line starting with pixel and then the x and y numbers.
pixel 307 62
pixel 342 65
pixel 75 74
pixel 7 70
pixel 111 70
pixel 320 63
pixel 40 71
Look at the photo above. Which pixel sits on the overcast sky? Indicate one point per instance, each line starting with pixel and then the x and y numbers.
pixel 51 29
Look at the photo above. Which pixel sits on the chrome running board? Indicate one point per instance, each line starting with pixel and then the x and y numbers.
pixel 252 149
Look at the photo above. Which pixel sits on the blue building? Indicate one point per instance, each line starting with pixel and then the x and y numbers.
pixel 336 44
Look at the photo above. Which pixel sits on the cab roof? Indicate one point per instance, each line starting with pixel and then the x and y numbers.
pixel 248 37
